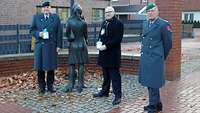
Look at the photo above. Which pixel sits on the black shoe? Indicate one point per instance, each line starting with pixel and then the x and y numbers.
pixel 51 89
pixel 116 101
pixel 158 107
pixel 149 107
pixel 41 91
pixel 100 94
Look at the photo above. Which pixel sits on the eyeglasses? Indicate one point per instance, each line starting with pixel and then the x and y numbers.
pixel 108 11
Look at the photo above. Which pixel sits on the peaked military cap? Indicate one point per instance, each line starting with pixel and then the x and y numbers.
pixel 46 4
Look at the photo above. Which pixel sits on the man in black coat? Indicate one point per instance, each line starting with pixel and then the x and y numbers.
pixel 109 46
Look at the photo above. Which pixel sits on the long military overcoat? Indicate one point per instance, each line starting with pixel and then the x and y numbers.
pixel 155 47
pixel 45 53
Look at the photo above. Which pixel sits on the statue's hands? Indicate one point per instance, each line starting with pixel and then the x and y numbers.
pixel 102 47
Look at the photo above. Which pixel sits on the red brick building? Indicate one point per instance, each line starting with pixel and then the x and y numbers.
pixel 21 11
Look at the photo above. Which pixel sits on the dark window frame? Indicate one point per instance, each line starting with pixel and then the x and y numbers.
pixel 103 14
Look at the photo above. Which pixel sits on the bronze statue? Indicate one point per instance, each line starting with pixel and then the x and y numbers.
pixel 76 32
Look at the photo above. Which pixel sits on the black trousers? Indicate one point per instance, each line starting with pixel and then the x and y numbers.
pixel 41 79
pixel 112 75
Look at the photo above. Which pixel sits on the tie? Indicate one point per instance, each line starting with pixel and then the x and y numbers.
pixel 150 24
pixel 106 27
pixel 46 17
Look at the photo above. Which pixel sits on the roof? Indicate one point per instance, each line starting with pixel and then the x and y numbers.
pixel 191 5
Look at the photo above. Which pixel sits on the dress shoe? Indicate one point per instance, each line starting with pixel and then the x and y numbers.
pixel 41 91
pixel 42 88
pixel 100 94
pixel 158 107
pixel 51 89
pixel 116 101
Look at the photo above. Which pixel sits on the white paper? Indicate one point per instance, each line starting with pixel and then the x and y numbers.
pixel 98 44
pixel 45 35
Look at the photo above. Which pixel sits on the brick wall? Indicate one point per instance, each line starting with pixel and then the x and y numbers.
pixel 15 64
pixel 171 11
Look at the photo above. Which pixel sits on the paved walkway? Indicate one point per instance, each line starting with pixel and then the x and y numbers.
pixel 181 96
pixel 13 108
pixel 178 97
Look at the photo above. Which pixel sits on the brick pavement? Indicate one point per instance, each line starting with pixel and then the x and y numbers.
pixel 13 108
pixel 181 96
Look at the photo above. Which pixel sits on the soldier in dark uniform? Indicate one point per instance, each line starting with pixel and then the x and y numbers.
pixel 78 54
pixel 109 46
pixel 47 30
pixel 155 47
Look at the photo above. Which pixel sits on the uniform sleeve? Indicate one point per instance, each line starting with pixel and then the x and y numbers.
pixel 59 33
pixel 167 39
pixel 116 36
pixel 33 29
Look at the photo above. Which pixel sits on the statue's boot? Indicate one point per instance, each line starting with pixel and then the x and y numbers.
pixel 69 87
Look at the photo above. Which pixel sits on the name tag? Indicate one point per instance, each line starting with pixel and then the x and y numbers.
pixel 102 31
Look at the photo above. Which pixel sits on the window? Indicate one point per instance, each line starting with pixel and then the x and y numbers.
pixel 62 12
pixel 144 1
pixel 186 17
pixel 97 15
pixel 189 17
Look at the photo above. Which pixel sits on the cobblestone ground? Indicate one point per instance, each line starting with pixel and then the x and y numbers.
pixel 74 102
pixel 190 56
